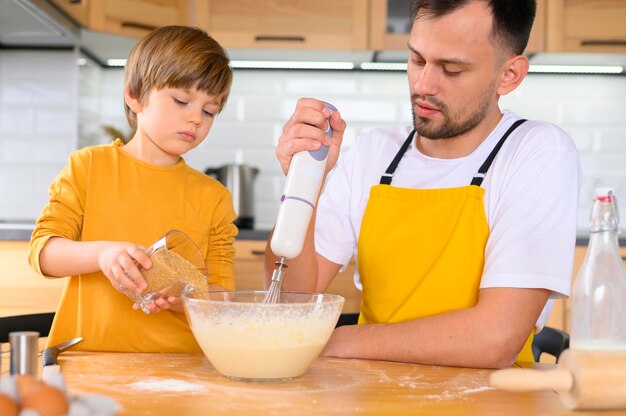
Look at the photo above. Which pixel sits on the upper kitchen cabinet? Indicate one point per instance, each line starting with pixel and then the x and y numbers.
pixel 285 24
pixel 390 25
pixel 586 26
pixel 127 17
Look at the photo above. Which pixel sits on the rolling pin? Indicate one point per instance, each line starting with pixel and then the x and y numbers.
pixel 583 379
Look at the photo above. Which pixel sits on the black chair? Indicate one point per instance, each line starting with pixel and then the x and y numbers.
pixel 347 319
pixel 551 341
pixel 40 322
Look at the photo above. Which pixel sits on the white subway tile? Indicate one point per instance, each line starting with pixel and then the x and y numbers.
pixel 319 85
pixel 16 122
pixel 57 95
pixel 611 140
pixel 583 137
pixel 610 87
pixel 386 84
pixel 405 112
pixel 235 134
pixel 532 109
pixel 112 107
pixel 200 160
pixel 57 123
pixel 268 188
pixel 265 215
pixel 36 151
pixel 264 159
pixel 261 108
pixel 603 165
pixel 229 112
pixel 16 63
pixel 536 87
pixel 17 92
pixel 376 110
pixel 592 112
pixel 54 64
pixel 258 82
pixel 89 104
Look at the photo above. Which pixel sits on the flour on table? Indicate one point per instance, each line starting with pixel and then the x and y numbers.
pixel 167 385
pixel 478 389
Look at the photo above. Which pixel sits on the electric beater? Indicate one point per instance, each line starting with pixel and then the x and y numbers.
pixel 304 180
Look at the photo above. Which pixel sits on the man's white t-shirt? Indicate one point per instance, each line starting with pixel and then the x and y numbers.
pixel 531 198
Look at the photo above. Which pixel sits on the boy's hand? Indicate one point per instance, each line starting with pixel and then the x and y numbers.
pixel 172 303
pixel 119 262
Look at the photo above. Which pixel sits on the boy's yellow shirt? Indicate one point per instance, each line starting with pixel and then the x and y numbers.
pixel 103 193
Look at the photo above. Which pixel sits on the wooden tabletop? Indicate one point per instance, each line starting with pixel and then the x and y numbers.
pixel 169 384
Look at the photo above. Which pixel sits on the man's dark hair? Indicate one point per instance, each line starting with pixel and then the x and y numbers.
pixel 512 19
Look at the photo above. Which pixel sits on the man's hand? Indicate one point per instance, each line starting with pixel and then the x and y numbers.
pixel 305 130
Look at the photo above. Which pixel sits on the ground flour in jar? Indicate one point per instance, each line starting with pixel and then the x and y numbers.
pixel 170 272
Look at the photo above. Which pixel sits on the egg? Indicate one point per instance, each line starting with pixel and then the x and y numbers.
pixel 8 407
pixel 47 400
pixel 26 385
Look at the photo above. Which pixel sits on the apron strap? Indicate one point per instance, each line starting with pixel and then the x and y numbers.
pixel 388 175
pixel 482 172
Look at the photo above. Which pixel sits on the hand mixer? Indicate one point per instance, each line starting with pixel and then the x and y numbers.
pixel 304 180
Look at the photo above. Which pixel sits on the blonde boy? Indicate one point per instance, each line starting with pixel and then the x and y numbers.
pixel 113 200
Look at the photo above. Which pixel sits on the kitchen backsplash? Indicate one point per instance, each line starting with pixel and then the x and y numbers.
pixel 49 106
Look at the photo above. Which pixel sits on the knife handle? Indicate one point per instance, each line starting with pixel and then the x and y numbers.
pixel 49 356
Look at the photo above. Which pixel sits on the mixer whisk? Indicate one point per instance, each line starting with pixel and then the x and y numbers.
pixel 273 293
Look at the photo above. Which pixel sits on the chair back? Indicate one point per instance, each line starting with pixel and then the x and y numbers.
pixel 40 322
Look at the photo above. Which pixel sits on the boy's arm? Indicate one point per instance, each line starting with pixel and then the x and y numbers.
pixel 62 257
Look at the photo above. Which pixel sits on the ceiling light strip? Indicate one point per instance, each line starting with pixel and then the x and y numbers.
pixel 116 62
pixel 575 69
pixel 398 66
pixel 291 65
pixel 384 66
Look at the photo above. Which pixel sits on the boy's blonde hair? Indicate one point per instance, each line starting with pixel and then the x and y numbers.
pixel 177 57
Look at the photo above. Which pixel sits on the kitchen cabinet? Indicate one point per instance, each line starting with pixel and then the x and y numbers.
pixel 390 25
pixel 285 24
pixel 249 274
pixel 127 17
pixel 22 290
pixel 586 26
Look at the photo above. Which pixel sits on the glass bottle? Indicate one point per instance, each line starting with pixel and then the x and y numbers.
pixel 599 297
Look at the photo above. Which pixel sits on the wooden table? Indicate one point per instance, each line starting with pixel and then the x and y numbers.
pixel 179 384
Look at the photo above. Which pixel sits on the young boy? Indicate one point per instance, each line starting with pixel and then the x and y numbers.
pixel 112 201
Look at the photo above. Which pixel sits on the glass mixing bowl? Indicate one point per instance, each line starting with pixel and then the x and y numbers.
pixel 245 339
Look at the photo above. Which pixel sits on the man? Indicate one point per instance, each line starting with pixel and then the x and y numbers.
pixel 463 229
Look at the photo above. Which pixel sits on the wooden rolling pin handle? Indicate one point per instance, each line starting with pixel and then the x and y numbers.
pixel 515 379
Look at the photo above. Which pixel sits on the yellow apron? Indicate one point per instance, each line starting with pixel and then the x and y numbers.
pixel 421 251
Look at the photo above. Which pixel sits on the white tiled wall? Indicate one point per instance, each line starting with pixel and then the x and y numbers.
pixel 38 126
pixel 41 110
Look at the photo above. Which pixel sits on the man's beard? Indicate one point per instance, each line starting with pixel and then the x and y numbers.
pixel 448 128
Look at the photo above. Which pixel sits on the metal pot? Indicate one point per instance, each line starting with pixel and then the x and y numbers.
pixel 239 179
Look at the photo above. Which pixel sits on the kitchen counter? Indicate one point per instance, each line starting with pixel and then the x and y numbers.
pixel 168 384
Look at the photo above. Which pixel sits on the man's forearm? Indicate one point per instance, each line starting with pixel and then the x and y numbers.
pixel 489 335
